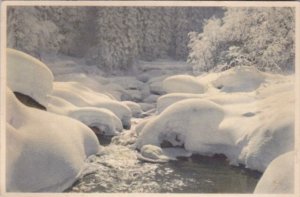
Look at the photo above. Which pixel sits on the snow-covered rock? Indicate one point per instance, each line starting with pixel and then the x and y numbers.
pixel 223 99
pixel 45 152
pixel 29 76
pixel 191 123
pixel 92 99
pixel 152 154
pixel 147 106
pixel 166 100
pixel 134 107
pixel 106 121
pixel 251 127
pixel 183 84
pixel 152 98
pixel 156 85
pixel 240 79
pixel 279 176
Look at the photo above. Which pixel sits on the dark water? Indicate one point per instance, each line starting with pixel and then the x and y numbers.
pixel 118 170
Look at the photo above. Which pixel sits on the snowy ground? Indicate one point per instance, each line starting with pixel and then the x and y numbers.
pixel 242 113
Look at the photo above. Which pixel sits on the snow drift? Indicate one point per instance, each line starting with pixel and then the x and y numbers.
pixel 45 151
pixel 29 76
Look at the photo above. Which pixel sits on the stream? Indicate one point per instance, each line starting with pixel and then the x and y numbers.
pixel 118 170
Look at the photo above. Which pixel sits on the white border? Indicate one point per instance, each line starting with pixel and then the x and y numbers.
pixel 146 4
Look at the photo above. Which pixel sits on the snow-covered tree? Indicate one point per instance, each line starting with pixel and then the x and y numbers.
pixel 31 31
pixel 262 37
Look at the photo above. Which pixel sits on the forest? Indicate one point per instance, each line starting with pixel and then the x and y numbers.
pixel 116 38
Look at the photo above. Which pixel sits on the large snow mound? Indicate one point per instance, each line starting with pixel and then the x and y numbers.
pixel 188 123
pixel 45 151
pixel 249 127
pixel 183 84
pixel 279 176
pixel 29 76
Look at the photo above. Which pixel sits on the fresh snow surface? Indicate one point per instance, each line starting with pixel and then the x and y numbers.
pixel 250 124
pixel 45 152
pixel 279 176
pixel 29 76
pixel 183 84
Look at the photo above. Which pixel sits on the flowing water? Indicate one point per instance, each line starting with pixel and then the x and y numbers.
pixel 118 169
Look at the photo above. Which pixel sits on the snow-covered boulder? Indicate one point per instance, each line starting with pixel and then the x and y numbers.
pixel 60 106
pixel 93 99
pixel 156 85
pixel 29 76
pixel 166 100
pixel 63 89
pixel 191 123
pixel 147 106
pixel 106 121
pixel 279 176
pixel 255 127
pixel 134 107
pixel 152 98
pixel 45 152
pixel 183 84
pixel 240 79
pixel 152 154
pixel 223 99
pixel 141 124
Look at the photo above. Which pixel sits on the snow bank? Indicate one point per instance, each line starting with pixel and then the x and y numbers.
pixel 84 98
pixel 251 128
pixel 29 76
pixel 45 151
pixel 240 79
pixel 279 176
pixel 183 84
